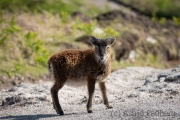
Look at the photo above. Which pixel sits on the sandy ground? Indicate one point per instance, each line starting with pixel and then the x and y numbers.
pixel 133 92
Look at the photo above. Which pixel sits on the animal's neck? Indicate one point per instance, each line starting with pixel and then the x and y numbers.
pixel 103 68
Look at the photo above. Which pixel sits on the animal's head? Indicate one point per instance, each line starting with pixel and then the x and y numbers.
pixel 102 48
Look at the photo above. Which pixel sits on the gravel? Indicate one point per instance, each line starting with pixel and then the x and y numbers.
pixel 134 93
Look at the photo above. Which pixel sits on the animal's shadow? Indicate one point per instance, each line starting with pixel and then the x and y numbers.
pixel 31 117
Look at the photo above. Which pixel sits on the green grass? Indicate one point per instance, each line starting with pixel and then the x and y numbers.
pixel 63 7
pixel 160 8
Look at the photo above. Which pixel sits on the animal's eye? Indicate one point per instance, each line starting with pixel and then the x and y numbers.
pixel 107 47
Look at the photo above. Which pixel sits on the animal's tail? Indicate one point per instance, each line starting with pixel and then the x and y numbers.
pixel 50 66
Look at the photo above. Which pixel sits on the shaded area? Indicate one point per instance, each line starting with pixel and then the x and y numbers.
pixel 171 76
pixel 153 8
pixel 29 117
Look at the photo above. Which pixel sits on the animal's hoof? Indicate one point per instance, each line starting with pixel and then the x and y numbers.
pixel 90 111
pixel 61 113
pixel 109 107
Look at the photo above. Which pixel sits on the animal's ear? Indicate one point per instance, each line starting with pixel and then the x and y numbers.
pixel 111 40
pixel 93 40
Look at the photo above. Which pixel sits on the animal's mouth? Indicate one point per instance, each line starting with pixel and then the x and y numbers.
pixel 102 59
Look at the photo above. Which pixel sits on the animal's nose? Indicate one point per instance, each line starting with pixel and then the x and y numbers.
pixel 102 57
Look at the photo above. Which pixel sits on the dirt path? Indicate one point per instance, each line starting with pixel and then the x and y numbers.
pixel 127 94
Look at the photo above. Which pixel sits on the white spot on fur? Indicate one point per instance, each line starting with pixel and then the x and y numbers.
pixel 77 82
pixel 101 79
pixel 51 70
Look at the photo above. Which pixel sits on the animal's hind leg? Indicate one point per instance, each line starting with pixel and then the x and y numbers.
pixel 54 94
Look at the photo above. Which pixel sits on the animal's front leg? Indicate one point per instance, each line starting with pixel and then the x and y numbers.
pixel 91 87
pixel 103 90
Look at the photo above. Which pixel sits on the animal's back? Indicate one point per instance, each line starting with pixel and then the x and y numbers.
pixel 72 64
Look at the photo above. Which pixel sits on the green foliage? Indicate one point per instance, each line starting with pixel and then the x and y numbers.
pixel 176 20
pixel 166 8
pixel 20 50
pixel 87 28
pixel 8 29
pixel 153 59
pixel 13 27
pixel 39 5
pixel 3 39
pixel 161 20
pixel 64 16
pixel 111 32
pixel 53 6
pixel 17 66
pixel 161 8
pixel 36 45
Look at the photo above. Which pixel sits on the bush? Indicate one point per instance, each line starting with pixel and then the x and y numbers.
pixel 160 8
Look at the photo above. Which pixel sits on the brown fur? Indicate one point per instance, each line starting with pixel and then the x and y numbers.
pixel 78 66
